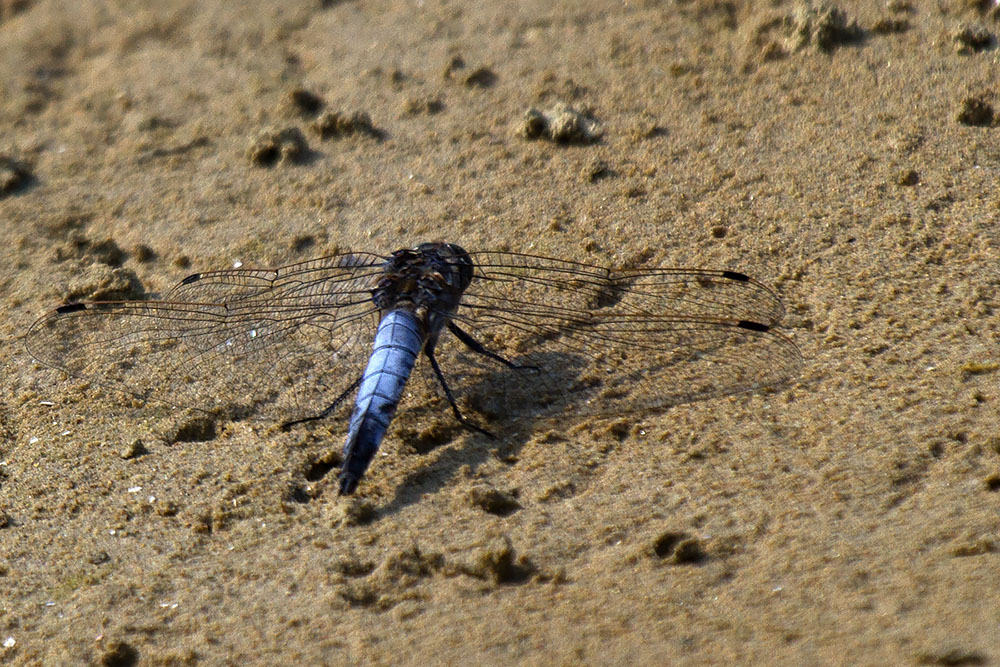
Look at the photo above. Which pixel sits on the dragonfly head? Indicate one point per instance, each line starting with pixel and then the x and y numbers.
pixel 449 260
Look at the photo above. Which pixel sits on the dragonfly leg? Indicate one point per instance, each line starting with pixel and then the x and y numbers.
pixel 327 411
pixel 429 351
pixel 478 348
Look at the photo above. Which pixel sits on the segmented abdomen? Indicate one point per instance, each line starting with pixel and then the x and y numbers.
pixel 397 344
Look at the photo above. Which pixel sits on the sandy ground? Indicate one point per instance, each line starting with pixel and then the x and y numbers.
pixel 848 518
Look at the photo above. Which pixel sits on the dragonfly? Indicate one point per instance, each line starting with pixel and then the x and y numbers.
pixel 503 334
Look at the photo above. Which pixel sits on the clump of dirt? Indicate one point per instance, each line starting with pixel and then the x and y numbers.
pixel 100 282
pixel 133 449
pixel 971 39
pixel 284 146
pixel 407 566
pixel 196 428
pixel 494 501
pixel 117 653
pixel 499 563
pixel 985 8
pixel 15 176
pixel 79 247
pixel 415 106
pixel 908 177
pixel 143 253
pixel 479 77
pixel 356 512
pixel 9 8
pixel 976 111
pixel 819 25
pixel 562 124
pixel 678 549
pixel 890 25
pixel 305 102
pixel 335 125
pixel 598 170
pixel 822 25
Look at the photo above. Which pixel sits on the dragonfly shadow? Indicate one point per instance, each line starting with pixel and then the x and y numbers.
pixel 507 402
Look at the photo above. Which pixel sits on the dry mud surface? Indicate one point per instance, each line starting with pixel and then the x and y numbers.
pixel 849 158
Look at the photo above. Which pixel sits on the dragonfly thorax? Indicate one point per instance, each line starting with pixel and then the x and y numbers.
pixel 429 278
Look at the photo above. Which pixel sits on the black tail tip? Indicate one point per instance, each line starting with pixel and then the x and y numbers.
pixel 348 484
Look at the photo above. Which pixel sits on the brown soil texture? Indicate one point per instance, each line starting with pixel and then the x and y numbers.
pixel 846 155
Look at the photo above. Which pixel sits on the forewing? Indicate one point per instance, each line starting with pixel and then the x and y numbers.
pixel 600 341
pixel 279 343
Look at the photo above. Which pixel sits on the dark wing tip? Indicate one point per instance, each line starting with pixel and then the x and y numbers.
pixel 752 326
pixel 194 277
pixel 736 275
pixel 71 308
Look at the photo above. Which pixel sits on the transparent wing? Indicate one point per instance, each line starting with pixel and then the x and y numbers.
pixel 285 343
pixel 600 341
pixel 281 343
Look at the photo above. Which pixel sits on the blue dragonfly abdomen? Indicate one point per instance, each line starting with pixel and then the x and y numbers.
pixel 398 341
